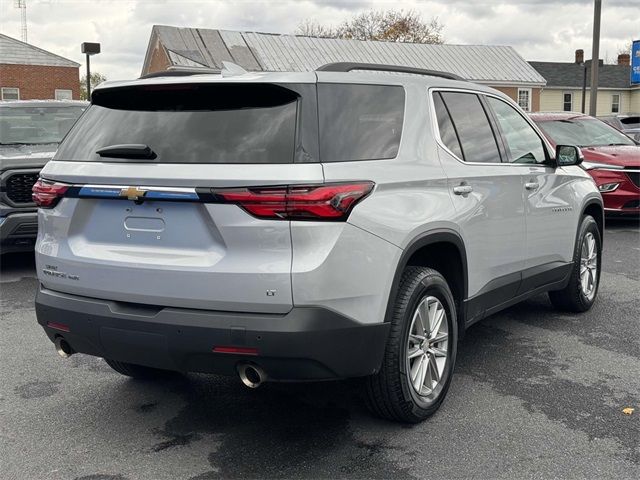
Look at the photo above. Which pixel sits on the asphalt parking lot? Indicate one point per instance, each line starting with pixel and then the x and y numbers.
pixel 536 394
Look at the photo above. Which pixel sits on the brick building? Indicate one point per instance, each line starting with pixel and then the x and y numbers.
pixel 30 73
pixel 500 67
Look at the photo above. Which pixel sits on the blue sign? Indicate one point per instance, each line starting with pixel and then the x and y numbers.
pixel 635 63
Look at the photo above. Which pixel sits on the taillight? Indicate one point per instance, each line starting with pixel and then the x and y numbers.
pixel 47 194
pixel 298 202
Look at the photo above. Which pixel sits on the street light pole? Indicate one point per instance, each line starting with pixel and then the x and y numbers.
pixel 595 55
pixel 88 76
pixel 89 49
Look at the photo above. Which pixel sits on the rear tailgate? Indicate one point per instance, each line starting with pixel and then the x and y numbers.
pixel 141 229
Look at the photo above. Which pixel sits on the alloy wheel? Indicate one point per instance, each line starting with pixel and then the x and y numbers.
pixel 589 266
pixel 427 348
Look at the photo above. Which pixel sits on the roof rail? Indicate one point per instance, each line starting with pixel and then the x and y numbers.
pixel 180 72
pixel 349 66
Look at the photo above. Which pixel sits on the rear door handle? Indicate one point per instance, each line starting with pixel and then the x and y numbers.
pixel 462 189
pixel 531 185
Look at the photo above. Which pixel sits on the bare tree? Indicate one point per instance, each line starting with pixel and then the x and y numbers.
pixel 625 48
pixel 383 25
pixel 311 28
pixel 96 79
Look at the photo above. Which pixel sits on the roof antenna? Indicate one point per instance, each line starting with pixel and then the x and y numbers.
pixel 231 70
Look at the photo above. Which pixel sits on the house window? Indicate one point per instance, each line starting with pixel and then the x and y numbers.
pixel 524 99
pixel 64 94
pixel 615 103
pixel 567 102
pixel 10 93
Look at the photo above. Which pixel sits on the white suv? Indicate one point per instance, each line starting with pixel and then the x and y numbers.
pixel 306 226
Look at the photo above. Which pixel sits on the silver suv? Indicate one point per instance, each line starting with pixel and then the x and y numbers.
pixel 306 226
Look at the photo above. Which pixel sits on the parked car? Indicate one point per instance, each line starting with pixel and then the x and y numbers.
pixel 306 226
pixel 30 132
pixel 612 158
pixel 629 124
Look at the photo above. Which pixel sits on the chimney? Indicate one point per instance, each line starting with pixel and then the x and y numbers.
pixel 579 56
pixel 624 59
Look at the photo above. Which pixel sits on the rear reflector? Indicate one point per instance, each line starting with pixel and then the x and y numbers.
pixel 298 202
pixel 58 326
pixel 236 350
pixel 47 194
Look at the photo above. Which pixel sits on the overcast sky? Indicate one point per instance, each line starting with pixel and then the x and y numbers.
pixel 539 29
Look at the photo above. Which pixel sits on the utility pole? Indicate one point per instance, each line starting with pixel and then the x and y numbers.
pixel 595 57
pixel 584 86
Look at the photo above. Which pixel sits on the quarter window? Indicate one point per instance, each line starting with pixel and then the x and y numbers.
pixel 448 133
pixel 477 142
pixel 359 122
pixel 522 142
pixel 615 103
pixel 10 93
pixel 524 99
pixel 567 102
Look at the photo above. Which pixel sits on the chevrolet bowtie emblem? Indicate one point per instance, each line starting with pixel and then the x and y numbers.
pixel 132 193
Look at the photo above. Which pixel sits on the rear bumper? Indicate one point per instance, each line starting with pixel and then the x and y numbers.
pixel 304 344
pixel 18 232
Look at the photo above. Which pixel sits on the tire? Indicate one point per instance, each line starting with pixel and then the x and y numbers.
pixel 138 371
pixel 391 393
pixel 574 297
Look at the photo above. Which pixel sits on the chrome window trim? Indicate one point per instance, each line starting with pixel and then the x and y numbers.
pixel 142 187
pixel 436 127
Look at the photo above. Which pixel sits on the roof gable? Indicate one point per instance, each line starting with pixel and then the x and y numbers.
pixel 256 51
pixel 15 52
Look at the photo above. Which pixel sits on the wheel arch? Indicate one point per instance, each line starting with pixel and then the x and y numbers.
pixel 444 251
pixel 595 208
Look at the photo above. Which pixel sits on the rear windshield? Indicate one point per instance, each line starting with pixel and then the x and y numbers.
pixel 359 122
pixel 631 122
pixel 36 125
pixel 201 123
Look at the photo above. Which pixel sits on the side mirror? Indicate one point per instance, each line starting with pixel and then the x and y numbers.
pixel 568 155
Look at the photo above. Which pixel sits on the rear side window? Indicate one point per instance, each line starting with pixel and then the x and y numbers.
pixel 359 122
pixel 190 123
pixel 472 125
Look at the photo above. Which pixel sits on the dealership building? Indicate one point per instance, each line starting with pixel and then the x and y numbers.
pixel 31 73
pixel 500 67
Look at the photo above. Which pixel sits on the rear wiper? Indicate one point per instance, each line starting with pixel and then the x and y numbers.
pixel 132 150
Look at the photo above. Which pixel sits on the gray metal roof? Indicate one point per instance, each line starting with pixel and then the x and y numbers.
pixel 559 74
pixel 15 52
pixel 255 51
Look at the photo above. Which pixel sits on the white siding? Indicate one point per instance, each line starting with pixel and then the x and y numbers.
pixel 551 100
pixel 634 104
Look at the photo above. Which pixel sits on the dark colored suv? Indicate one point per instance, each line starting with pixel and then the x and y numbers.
pixel 30 132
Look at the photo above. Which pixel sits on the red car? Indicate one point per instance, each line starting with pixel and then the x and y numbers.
pixel 611 157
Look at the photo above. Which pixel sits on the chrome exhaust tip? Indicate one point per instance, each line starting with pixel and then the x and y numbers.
pixel 251 375
pixel 63 348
